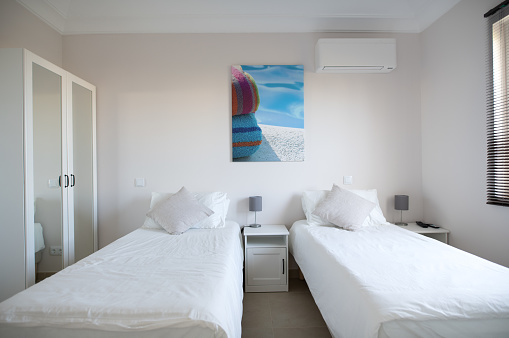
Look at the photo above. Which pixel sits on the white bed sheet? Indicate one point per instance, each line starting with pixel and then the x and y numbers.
pixel 385 281
pixel 147 283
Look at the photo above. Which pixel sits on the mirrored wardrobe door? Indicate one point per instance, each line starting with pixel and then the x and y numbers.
pixel 82 168
pixel 48 139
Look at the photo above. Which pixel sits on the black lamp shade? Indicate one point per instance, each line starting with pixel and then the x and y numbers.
pixel 255 203
pixel 401 202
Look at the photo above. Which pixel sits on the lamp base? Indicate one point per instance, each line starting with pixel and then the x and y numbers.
pixel 254 225
pixel 401 223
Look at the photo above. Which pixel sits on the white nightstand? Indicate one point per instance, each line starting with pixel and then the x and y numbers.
pixel 439 234
pixel 266 258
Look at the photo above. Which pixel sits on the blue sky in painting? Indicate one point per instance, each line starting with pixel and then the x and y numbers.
pixel 281 90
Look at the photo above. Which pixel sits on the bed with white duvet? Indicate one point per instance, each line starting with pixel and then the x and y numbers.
pixel 146 284
pixel 380 280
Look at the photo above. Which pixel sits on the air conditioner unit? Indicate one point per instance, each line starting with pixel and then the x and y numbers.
pixel 355 55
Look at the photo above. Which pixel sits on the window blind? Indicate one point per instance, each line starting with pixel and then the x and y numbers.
pixel 497 94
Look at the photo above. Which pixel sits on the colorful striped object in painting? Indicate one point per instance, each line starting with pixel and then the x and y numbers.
pixel 245 97
pixel 246 135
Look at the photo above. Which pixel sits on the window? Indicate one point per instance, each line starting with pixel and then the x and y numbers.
pixel 498 105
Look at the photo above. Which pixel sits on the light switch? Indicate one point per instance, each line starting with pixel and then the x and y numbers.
pixel 139 182
pixel 347 180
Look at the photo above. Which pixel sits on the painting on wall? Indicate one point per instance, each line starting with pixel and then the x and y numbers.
pixel 267 113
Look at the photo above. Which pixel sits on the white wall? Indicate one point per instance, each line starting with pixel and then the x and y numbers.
pixel 454 133
pixel 164 114
pixel 21 29
pixel 164 107
pixel 12 249
pixel 18 28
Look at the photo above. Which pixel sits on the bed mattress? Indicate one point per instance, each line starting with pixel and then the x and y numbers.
pixel 384 281
pixel 147 283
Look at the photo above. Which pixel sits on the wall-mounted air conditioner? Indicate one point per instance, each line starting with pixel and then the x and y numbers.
pixel 355 55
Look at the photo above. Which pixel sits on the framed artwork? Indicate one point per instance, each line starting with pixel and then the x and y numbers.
pixel 267 113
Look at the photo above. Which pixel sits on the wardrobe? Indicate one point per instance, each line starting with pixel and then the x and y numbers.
pixel 48 199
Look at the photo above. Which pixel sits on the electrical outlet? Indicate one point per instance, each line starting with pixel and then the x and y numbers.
pixel 55 250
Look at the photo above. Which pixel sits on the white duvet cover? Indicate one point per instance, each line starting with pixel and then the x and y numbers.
pixel 384 281
pixel 146 284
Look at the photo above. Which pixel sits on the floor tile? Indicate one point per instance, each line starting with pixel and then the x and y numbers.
pixel 257 333
pixel 283 314
pixel 256 300
pixel 294 310
pixel 256 311
pixel 308 332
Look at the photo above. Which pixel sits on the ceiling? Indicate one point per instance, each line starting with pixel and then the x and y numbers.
pixel 237 16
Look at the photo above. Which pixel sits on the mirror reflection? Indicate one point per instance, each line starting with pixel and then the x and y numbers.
pixel 82 180
pixel 47 148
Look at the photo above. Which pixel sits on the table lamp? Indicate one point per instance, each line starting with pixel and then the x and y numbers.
pixel 255 204
pixel 401 203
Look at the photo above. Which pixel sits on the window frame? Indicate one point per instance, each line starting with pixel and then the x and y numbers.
pixel 497 105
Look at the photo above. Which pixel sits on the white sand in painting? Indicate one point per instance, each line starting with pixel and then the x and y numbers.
pixel 278 144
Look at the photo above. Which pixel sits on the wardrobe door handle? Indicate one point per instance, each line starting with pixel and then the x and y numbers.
pixel 66 181
pixel 73 180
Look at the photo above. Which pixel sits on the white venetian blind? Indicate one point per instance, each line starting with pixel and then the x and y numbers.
pixel 498 105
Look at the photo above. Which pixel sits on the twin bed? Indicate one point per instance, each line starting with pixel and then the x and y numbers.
pixel 376 280
pixel 389 282
pixel 145 284
pixel 381 280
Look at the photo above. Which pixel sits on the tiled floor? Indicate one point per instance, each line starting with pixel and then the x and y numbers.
pixel 283 314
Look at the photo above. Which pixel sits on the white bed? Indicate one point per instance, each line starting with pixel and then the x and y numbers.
pixel 147 283
pixel 384 281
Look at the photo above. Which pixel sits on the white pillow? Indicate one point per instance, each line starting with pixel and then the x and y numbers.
pixel 376 216
pixel 311 198
pixel 177 213
pixel 344 208
pixel 218 202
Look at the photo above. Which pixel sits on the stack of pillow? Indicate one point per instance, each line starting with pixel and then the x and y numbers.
pixel 178 212
pixel 348 209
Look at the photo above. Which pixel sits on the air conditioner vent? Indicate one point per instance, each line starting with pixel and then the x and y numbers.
pixel 355 55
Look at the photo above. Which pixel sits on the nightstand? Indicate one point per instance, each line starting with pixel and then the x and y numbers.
pixel 439 234
pixel 266 258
